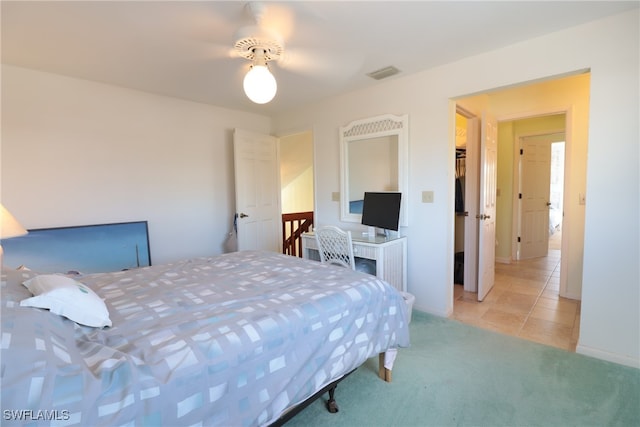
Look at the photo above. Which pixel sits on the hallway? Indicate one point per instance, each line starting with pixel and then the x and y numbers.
pixel 524 302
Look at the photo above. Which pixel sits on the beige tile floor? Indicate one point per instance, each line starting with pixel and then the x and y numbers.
pixel 524 302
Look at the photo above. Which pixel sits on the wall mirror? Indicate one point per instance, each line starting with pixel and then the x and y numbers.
pixel 374 157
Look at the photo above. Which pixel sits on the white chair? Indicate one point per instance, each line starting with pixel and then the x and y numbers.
pixel 335 246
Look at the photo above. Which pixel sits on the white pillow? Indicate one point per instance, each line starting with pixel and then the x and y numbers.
pixel 67 297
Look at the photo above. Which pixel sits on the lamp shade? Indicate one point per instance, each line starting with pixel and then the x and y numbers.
pixel 9 226
pixel 259 84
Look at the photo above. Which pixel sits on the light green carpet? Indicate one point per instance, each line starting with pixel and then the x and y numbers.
pixel 457 375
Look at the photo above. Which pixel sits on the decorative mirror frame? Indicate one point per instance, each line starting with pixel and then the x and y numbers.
pixel 375 127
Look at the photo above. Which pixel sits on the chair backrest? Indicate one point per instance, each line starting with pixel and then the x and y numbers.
pixel 335 246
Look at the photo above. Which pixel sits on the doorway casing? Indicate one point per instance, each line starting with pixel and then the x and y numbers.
pixel 470 268
pixel 568 125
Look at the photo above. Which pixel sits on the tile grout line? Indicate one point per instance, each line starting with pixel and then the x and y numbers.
pixel 548 275
pixel 538 296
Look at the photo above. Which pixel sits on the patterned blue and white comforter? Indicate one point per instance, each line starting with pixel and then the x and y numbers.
pixel 229 340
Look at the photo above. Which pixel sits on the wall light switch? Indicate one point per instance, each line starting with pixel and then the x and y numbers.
pixel 427 197
pixel 335 196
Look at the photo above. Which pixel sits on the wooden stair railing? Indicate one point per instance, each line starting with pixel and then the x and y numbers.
pixel 293 225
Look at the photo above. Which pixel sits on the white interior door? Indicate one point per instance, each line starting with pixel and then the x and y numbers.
pixel 471 205
pixel 257 179
pixel 535 158
pixel 487 214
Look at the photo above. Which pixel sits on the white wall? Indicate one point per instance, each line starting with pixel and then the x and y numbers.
pixel 298 195
pixel 296 172
pixel 610 326
pixel 76 152
pixel 611 277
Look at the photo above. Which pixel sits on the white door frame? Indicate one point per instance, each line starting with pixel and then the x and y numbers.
pixel 471 205
pixel 471 200
pixel 567 111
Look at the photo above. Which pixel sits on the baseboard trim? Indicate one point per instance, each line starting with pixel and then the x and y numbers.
pixel 571 296
pixel 503 260
pixel 609 357
pixel 434 312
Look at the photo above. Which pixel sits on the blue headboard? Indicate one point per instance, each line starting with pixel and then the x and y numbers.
pixel 85 249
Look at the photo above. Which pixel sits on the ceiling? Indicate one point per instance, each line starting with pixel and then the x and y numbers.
pixel 184 49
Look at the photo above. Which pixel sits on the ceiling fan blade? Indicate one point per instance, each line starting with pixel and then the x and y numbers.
pixel 183 31
pixel 273 18
pixel 218 51
pixel 321 64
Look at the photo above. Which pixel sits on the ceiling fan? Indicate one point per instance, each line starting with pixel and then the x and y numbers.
pixel 259 45
pixel 263 42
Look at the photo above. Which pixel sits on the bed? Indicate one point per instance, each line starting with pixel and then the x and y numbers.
pixel 243 339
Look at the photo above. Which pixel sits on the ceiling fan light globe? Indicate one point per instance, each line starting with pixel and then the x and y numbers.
pixel 259 84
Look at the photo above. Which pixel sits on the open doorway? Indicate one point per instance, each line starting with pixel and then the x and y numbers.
pixel 526 300
pixel 556 192
pixel 539 185
pixel 467 182
pixel 297 189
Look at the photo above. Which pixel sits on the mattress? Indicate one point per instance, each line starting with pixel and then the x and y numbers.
pixel 234 339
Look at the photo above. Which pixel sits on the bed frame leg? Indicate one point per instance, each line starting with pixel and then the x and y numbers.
pixel 332 406
pixel 383 373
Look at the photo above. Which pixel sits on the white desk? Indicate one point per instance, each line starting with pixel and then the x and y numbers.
pixel 390 255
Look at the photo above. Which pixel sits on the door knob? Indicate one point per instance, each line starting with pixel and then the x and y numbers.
pixel 243 215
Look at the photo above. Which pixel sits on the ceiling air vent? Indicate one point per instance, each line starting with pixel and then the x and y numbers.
pixel 383 73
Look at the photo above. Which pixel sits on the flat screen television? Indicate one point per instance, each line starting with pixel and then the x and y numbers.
pixel 381 209
pixel 85 248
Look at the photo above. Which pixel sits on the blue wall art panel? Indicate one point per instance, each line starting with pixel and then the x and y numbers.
pixel 83 249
